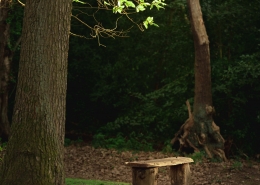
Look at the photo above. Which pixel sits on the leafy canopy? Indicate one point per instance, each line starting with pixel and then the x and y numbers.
pixel 126 7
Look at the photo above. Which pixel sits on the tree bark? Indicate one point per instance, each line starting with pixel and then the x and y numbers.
pixel 4 69
pixel 200 131
pixel 35 149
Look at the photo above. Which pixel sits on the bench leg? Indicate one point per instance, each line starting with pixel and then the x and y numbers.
pixel 180 174
pixel 144 176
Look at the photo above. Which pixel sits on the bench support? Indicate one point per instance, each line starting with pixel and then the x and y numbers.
pixel 144 176
pixel 180 174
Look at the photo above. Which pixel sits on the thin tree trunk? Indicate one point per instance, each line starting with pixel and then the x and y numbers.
pixel 202 67
pixel 200 131
pixel 35 149
pixel 4 69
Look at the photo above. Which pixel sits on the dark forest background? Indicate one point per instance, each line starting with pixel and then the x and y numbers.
pixel 131 94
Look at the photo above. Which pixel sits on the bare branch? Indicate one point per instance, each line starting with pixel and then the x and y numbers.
pixel 99 31
pixel 21 3
pixel 82 22
pixel 76 35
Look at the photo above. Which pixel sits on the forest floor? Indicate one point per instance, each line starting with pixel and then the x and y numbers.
pixel 87 162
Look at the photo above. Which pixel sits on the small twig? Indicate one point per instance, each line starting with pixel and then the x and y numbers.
pixel 82 22
pixel 76 35
pixel 21 3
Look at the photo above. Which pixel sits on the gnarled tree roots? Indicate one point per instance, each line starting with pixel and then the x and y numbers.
pixel 200 132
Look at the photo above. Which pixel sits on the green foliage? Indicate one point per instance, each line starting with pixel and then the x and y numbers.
pixel 239 115
pixel 216 160
pixel 139 84
pixel 2 147
pixel 167 147
pixel 131 94
pixel 70 181
pixel 68 142
pixel 237 165
pixel 119 142
pixel 2 144
pixel 197 156
pixel 153 113
pixel 123 6
pixel 149 21
pixel 233 27
pixel 116 84
pixel 145 81
pixel 235 69
pixel 15 20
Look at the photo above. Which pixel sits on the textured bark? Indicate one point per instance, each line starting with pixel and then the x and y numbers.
pixel 4 69
pixel 144 176
pixel 200 131
pixel 34 153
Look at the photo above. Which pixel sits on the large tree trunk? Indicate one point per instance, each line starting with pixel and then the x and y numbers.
pixel 4 69
pixel 200 131
pixel 35 149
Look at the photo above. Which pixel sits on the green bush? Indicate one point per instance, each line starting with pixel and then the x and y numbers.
pixel 121 143
pixel 153 118
pixel 236 92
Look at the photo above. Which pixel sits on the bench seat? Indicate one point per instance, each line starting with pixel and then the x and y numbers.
pixel 146 172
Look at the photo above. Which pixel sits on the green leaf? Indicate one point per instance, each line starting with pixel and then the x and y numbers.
pixel 140 7
pixel 149 21
pixel 158 3
pixel 155 25
pixel 129 4
pixel 105 3
pixel 146 24
pixel 158 7
pixel 118 9
pixel 119 3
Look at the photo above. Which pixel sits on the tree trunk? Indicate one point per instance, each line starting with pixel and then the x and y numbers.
pixel 200 131
pixel 35 149
pixel 4 69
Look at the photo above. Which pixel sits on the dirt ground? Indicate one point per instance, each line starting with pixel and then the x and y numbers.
pixel 87 162
pixel 105 164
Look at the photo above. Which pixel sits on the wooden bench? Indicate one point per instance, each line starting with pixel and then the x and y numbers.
pixel 146 172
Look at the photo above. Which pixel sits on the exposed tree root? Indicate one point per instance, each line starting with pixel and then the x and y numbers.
pixel 185 128
pixel 206 137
